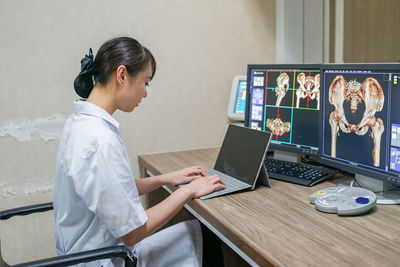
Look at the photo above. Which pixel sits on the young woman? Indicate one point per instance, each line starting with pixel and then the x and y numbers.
pixel 96 198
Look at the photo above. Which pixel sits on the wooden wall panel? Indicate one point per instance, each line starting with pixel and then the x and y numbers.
pixel 371 31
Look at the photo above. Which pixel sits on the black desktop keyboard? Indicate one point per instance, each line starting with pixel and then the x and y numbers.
pixel 297 173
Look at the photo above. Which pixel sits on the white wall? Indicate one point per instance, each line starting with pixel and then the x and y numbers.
pixel 199 47
pixel 300 31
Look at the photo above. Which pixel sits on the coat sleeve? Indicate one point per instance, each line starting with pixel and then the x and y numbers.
pixel 106 184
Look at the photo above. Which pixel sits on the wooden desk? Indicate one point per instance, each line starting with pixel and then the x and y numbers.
pixel 278 225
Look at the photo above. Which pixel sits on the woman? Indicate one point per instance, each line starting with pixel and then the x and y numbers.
pixel 96 198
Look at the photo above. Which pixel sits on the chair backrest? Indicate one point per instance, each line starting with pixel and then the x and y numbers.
pixel 2 262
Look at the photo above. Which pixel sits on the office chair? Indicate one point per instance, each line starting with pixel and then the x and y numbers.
pixel 70 259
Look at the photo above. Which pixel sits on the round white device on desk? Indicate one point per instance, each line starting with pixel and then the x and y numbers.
pixel 343 200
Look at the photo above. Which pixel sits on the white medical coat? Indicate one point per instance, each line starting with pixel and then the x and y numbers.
pixel 96 200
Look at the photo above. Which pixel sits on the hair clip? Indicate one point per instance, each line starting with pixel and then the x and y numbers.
pixel 87 63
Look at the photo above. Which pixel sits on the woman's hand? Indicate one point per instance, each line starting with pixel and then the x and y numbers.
pixel 205 185
pixel 184 176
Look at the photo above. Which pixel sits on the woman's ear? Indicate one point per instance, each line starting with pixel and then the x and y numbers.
pixel 121 75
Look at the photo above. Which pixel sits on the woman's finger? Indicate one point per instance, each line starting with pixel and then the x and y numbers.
pixel 217 179
pixel 211 177
pixel 219 186
pixel 200 170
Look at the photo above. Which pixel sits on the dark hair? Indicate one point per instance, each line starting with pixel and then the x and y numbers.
pixel 112 54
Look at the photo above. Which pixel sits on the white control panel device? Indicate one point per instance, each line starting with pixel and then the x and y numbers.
pixel 237 100
pixel 343 200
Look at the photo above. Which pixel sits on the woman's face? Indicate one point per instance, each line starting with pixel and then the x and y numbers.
pixel 134 90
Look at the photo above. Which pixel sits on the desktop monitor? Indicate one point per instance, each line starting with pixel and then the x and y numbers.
pixel 237 101
pixel 285 100
pixel 360 123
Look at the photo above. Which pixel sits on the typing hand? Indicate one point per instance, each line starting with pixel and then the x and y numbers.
pixel 206 185
pixel 186 175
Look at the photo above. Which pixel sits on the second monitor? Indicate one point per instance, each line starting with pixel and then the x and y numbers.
pixel 285 100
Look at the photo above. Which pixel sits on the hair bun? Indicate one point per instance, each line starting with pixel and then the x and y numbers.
pixel 83 84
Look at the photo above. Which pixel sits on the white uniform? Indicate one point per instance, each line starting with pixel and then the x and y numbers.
pixel 96 200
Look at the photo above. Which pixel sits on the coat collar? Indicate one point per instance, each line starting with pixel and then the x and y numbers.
pixel 84 107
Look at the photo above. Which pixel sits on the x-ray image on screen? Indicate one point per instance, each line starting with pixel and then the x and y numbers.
pixel 356 113
pixel 285 100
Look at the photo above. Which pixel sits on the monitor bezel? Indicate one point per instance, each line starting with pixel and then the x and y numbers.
pixel 336 163
pixel 274 146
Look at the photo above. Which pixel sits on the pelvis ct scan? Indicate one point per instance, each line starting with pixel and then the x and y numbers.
pixel 356 103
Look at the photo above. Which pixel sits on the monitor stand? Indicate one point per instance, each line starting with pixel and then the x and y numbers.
pixel 384 194
pixel 286 156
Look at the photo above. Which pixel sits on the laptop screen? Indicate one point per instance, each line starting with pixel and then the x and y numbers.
pixel 242 153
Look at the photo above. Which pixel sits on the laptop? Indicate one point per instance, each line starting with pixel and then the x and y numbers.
pixel 240 162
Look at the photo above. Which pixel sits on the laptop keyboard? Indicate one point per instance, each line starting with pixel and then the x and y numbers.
pixel 232 185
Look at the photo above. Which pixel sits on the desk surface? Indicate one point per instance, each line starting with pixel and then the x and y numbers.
pixel 279 226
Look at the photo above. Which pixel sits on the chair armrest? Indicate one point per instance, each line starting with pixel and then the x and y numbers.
pixel 87 256
pixel 6 214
